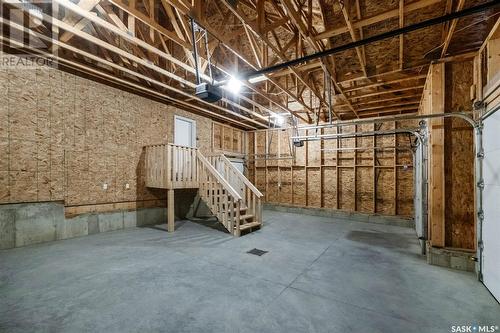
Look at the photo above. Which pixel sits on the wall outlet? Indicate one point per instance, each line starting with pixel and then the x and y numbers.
pixel 104 186
pixel 127 186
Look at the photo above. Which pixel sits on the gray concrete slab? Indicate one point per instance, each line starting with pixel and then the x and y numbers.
pixel 38 223
pixel 110 221
pixel 31 223
pixel 320 275
pixel 7 228
pixel 77 226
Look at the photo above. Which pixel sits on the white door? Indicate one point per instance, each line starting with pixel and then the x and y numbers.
pixel 184 135
pixel 184 132
pixel 491 207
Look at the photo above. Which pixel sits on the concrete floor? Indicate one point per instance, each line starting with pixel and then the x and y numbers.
pixel 320 275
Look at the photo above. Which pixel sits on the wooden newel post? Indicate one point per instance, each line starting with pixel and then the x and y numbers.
pixel 171 211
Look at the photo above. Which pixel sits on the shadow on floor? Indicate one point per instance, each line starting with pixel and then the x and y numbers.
pixel 379 239
pixel 163 226
pixel 210 222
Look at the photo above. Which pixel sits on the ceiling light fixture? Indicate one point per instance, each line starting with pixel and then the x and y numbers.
pixel 233 85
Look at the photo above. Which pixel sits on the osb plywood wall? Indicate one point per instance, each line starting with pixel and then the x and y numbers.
pixel 62 137
pixel 459 158
pixel 451 156
pixel 228 140
pixel 327 174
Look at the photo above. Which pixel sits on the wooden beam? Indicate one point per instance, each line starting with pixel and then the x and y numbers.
pixel 141 43
pixel 75 21
pixel 185 9
pixel 317 46
pixel 383 92
pixel 354 38
pixel 131 19
pixel 180 33
pixel 379 84
pixel 451 30
pixel 131 57
pixel 435 90
pixel 414 103
pixel 377 18
pixel 252 27
pixel 361 34
pixel 386 109
pixel 116 80
pixel 147 20
pixel 401 37
pixel 171 210
pixel 384 100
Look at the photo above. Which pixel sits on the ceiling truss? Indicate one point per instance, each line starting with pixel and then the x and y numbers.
pixel 146 44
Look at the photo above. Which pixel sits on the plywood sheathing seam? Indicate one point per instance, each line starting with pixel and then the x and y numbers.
pixel 62 137
pixel 372 181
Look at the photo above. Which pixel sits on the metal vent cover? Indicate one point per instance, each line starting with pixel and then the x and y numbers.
pixel 257 252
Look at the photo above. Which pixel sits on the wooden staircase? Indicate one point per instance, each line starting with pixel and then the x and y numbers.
pixel 230 196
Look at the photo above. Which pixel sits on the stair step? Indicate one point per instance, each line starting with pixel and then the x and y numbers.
pixel 246 217
pixel 249 225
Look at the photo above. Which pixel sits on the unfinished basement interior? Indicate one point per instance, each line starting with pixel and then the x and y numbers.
pixel 250 166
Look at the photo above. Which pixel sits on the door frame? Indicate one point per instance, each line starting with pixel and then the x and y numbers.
pixel 189 120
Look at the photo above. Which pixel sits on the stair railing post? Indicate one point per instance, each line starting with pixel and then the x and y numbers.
pixel 259 211
pixel 254 208
pixel 218 201
pixel 237 229
pixel 230 211
pixel 169 167
pixel 226 210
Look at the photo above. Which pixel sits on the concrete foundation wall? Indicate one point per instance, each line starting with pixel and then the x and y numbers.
pixel 455 259
pixel 353 216
pixel 31 223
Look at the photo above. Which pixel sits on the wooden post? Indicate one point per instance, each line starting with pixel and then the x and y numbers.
pixel 171 211
pixel 236 229
pixel 436 140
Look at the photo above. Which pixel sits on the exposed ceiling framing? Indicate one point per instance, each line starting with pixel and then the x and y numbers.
pixel 146 45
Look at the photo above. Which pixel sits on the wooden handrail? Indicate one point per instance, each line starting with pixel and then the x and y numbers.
pixel 241 176
pixel 225 190
pixel 218 176
pixel 171 166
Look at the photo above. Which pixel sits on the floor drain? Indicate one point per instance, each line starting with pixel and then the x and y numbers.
pixel 257 252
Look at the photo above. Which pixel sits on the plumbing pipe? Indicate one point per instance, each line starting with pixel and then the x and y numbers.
pixel 355 135
pixel 463 115
pixel 366 148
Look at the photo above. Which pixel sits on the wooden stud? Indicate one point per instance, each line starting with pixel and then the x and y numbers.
pixel 171 211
